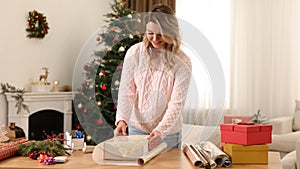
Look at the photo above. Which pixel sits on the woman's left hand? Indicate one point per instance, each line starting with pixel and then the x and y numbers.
pixel 155 139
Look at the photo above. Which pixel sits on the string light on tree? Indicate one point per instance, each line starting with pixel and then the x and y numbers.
pixel 79 106
pixel 117 83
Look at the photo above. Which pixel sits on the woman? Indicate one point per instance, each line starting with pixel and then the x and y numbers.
pixel 154 82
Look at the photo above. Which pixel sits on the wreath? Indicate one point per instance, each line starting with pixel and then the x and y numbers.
pixel 37 25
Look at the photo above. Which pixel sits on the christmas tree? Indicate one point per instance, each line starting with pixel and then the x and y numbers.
pixel 96 102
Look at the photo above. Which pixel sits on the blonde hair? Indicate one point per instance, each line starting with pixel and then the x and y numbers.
pixel 165 18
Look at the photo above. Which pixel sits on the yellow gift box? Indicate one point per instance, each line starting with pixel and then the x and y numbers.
pixel 250 154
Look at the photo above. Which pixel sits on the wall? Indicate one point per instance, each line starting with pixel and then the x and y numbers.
pixel 71 24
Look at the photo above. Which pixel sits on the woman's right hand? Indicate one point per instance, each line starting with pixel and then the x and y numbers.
pixel 120 130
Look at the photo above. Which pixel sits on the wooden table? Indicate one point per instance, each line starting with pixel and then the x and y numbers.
pixel 173 158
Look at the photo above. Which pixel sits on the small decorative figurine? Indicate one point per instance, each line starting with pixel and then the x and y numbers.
pixel 45 75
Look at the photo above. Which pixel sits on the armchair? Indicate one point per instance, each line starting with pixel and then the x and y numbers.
pixel 286 138
pixel 292 159
pixel 284 135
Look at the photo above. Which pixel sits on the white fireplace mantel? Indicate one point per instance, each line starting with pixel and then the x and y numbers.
pixel 58 101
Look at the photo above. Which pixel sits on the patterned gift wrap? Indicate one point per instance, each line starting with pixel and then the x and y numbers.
pixel 10 149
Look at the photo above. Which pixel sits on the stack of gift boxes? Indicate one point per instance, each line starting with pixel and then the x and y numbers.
pixel 246 143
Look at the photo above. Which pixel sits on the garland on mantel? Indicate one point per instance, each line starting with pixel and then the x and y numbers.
pixel 7 88
pixel 37 25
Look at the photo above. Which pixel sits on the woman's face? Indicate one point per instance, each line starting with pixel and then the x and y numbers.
pixel 154 35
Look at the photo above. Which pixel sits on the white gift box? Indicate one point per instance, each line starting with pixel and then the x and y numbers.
pixel 77 143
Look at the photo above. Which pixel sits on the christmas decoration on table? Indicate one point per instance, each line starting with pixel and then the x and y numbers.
pixel 258 118
pixel 96 101
pixel 75 141
pixel 37 25
pixel 7 88
pixel 44 151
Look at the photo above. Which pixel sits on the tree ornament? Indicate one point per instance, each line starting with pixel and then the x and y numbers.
pixel 121 49
pixel 102 73
pixel 113 29
pixel 98 39
pixel 88 138
pixel 120 67
pixel 117 15
pixel 120 4
pixel 99 103
pixel 84 110
pixel 117 83
pixel 91 86
pixel 79 106
pixel 37 25
pixel 115 108
pixel 78 127
pixel 100 122
pixel 85 67
pixel 116 39
pixel 103 87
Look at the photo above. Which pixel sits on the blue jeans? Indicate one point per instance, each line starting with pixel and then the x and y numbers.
pixel 173 140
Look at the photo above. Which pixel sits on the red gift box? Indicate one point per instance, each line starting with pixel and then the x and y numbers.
pixel 244 134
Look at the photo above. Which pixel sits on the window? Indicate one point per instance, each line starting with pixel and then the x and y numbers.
pixel 212 19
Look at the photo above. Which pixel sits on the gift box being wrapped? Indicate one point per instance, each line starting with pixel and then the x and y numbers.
pixel 253 154
pixel 125 147
pixel 245 134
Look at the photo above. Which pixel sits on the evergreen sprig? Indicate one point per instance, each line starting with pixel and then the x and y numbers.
pixel 51 147
pixel 7 88
pixel 258 118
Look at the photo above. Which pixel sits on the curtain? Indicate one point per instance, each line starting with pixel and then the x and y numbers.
pixel 146 5
pixel 265 57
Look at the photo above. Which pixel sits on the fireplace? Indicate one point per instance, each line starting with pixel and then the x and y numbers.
pixel 45 122
pixel 50 112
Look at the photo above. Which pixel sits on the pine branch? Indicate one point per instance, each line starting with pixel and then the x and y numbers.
pixel 7 88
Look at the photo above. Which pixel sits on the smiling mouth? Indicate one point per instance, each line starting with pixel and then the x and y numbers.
pixel 156 43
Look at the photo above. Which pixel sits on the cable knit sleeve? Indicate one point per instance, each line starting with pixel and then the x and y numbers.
pixel 178 96
pixel 127 92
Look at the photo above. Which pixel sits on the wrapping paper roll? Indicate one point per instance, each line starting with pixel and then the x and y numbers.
pixel 10 149
pixel 206 154
pixel 216 154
